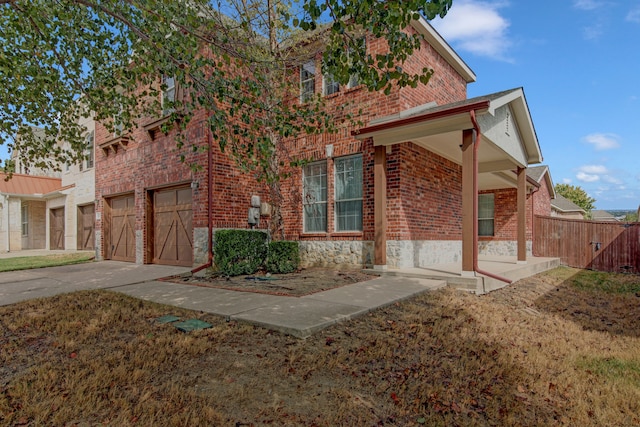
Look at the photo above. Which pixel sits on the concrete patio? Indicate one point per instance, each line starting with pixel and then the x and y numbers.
pixel 503 266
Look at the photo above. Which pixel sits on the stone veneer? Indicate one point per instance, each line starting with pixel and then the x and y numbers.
pixel 400 253
pixel 502 248
pixel 200 245
pixel 336 253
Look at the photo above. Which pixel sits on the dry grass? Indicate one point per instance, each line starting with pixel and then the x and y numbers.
pixel 548 351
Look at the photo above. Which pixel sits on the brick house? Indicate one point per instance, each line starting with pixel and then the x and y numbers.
pixel 398 191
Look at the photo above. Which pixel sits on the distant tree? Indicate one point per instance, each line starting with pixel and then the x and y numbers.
pixel 577 195
pixel 631 217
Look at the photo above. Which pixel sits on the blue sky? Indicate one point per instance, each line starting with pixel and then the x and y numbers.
pixel 579 64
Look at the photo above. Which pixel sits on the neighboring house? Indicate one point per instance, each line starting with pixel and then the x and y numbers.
pixel 58 208
pixel 565 208
pixel 600 215
pixel 24 217
pixel 400 191
pixel 22 168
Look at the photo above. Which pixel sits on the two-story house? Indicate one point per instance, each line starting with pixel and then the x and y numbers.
pixel 429 175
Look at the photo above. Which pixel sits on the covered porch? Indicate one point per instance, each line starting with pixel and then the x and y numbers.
pixel 493 141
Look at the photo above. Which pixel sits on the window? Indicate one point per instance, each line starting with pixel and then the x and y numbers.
pixel 329 85
pixel 315 197
pixel 24 217
pixel 168 94
pixel 485 214
pixel 307 81
pixel 348 193
pixel 88 150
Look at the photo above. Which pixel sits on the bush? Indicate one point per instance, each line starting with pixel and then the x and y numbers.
pixel 240 251
pixel 283 257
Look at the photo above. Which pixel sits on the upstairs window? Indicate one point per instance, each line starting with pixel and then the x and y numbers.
pixel 348 193
pixel 486 208
pixel 329 85
pixel 89 150
pixel 315 197
pixel 168 94
pixel 307 81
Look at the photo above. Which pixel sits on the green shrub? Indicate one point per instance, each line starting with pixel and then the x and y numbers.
pixel 283 257
pixel 240 251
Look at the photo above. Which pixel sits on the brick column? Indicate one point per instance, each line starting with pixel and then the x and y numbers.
pixel 468 196
pixel 522 217
pixel 380 207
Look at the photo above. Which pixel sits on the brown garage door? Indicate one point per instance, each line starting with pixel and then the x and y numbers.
pixel 56 228
pixel 172 228
pixel 122 236
pixel 86 227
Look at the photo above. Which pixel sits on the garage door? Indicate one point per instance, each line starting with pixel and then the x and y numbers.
pixel 86 227
pixel 122 235
pixel 172 227
pixel 56 228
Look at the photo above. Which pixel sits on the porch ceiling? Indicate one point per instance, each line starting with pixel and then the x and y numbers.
pixel 508 137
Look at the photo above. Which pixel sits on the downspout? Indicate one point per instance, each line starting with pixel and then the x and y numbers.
pixel 209 206
pixel 476 144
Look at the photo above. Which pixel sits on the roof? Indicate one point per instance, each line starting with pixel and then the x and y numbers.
pixel 491 110
pixel 562 204
pixel 600 215
pixel 27 185
pixel 540 173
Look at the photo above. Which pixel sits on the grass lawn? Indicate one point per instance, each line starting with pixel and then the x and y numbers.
pixel 29 262
pixel 560 348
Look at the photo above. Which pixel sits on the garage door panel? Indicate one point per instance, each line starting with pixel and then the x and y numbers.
pixel 173 228
pixel 123 242
pixel 86 227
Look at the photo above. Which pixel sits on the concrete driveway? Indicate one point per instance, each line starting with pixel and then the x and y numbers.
pixel 16 286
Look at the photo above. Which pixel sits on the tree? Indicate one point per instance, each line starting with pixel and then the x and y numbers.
pixel 577 195
pixel 233 58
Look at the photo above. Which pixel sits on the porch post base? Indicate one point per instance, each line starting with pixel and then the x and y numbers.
pixel 521 262
pixel 468 274
pixel 382 267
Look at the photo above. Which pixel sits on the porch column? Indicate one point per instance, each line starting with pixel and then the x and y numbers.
pixel 468 196
pixel 380 208
pixel 522 217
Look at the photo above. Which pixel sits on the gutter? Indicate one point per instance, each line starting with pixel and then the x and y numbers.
pixel 476 144
pixel 209 262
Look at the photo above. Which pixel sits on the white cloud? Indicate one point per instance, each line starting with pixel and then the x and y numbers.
pixel 634 15
pixel 585 177
pixel 591 173
pixel 612 180
pixel 593 32
pixel 477 27
pixel 602 141
pixel 597 169
pixel 587 4
pixel 568 180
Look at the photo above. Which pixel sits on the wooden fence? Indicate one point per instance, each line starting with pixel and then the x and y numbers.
pixel 596 245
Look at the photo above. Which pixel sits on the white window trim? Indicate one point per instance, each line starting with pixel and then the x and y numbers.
pixel 306 96
pixel 168 93
pixel 336 201
pixel 492 218
pixel 324 202
pixel 24 220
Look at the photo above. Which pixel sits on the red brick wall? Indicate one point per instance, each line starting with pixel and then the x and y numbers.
pixel 424 195
pixel 444 87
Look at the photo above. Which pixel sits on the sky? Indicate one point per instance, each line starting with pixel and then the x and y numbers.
pixel 579 64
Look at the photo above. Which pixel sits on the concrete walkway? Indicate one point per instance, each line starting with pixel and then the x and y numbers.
pixel 297 316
